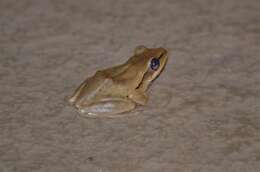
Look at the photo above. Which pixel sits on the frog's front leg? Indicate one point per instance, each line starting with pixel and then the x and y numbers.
pixel 106 107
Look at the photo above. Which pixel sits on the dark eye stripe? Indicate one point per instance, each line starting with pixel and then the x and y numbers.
pixel 155 64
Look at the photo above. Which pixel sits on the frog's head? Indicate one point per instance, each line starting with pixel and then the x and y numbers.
pixel 149 63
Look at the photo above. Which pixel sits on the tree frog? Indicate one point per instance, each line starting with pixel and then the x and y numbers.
pixel 111 92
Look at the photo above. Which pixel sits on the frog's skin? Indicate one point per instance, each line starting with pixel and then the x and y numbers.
pixel 115 90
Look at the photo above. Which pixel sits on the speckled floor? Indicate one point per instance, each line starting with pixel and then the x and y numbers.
pixel 204 110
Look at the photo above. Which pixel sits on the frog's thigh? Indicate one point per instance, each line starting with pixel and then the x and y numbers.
pixel 89 86
pixel 138 97
pixel 108 107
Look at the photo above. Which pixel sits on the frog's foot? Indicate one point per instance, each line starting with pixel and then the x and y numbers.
pixel 106 107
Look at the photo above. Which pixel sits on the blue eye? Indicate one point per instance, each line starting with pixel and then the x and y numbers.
pixel 155 64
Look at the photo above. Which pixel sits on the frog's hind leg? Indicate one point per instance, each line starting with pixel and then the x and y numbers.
pixel 107 107
pixel 87 87
pixel 72 99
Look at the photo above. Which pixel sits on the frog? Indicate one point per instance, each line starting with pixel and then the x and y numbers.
pixel 114 91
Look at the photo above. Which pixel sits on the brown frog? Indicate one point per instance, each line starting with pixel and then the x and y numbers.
pixel 115 90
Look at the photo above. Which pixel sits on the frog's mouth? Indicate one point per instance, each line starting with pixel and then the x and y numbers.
pixel 150 75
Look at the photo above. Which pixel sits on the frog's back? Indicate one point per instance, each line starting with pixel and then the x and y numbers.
pixel 110 85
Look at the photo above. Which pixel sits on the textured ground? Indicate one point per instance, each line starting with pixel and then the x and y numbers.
pixel 204 110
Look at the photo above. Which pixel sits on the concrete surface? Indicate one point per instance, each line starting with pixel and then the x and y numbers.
pixel 204 110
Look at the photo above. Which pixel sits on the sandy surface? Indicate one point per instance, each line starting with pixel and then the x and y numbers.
pixel 204 110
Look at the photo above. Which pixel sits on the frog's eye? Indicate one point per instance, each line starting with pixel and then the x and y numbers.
pixel 155 64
